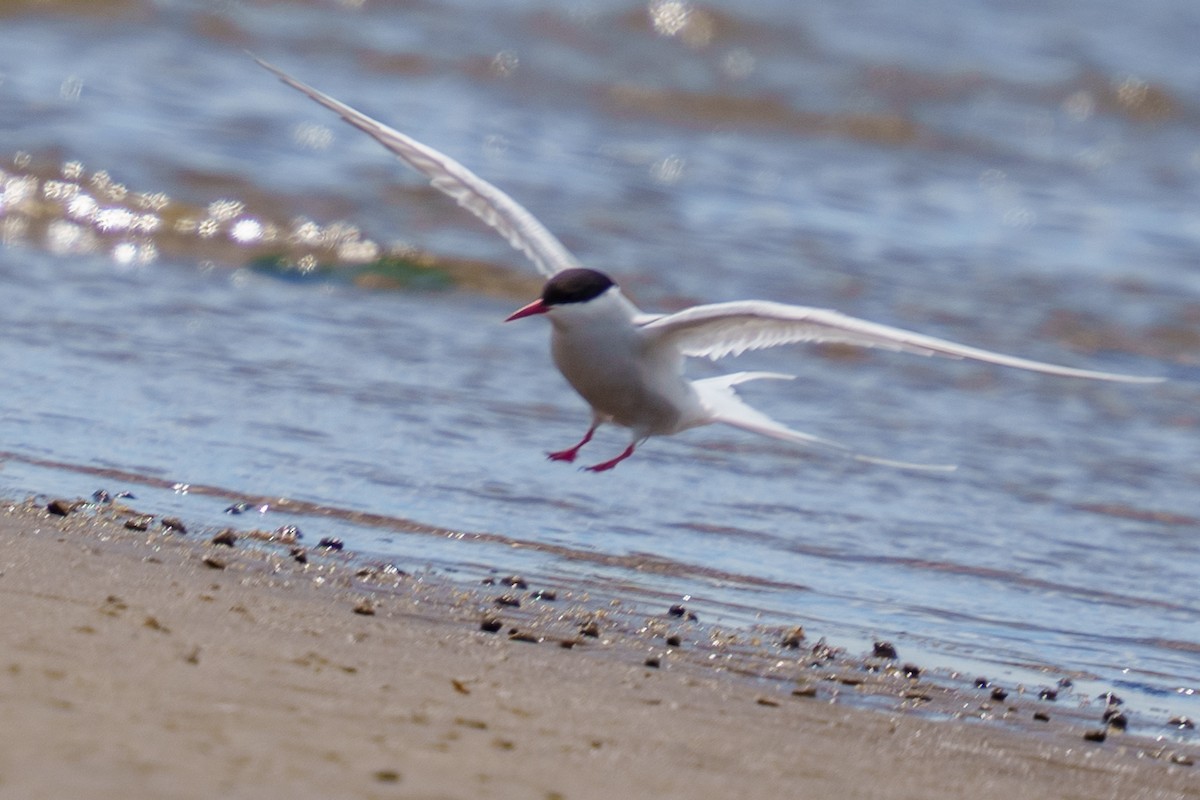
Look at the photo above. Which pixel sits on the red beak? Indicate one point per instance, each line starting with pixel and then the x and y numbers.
pixel 536 307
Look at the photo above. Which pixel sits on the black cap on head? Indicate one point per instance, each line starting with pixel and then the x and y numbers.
pixel 575 286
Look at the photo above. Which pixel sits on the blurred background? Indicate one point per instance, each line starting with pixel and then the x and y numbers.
pixel 210 281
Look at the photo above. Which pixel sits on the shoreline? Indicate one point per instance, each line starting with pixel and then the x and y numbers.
pixel 158 663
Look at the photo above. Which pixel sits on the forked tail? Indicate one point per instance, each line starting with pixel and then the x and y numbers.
pixel 722 401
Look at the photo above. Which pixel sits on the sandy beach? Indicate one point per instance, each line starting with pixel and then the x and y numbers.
pixel 155 663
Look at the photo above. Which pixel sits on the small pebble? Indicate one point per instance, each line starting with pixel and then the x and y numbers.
pixel 214 563
pixel 1098 735
pixel 1041 716
pixel 1117 720
pixel 652 661
pixel 1183 723
pixel 545 595
pixel 768 702
pixel 60 507
pixel 331 543
pixel 982 683
pixel 387 776
pixel 999 694
pixel 884 650
pixel 507 600
pixel 524 636
pixel 516 581
pixel 676 610
pixel 365 608
pixel 237 508
pixel 299 554
pixel 823 651
pixel 674 641
pixel 911 671
pixel 490 625
pixel 590 629
pixel 792 639
pixel 287 534
pixel 804 691
pixel 141 523
pixel 226 537
pixel 173 524
pixel 1111 699
pixel 1048 694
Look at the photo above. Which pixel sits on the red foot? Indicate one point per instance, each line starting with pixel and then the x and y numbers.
pixel 605 466
pixel 569 454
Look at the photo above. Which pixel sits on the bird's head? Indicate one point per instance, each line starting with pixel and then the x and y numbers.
pixel 571 287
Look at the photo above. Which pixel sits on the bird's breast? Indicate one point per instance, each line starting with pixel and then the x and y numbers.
pixel 623 381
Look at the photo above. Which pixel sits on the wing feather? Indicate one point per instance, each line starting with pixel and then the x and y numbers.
pixel 495 208
pixel 723 329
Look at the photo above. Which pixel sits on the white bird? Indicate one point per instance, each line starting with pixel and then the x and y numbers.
pixel 628 365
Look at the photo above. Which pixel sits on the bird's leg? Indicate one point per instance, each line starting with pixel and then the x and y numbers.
pixel 604 466
pixel 569 454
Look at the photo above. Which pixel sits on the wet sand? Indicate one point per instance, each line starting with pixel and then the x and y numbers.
pixel 154 663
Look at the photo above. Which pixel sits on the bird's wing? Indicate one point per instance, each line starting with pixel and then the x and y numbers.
pixel 511 220
pixel 723 329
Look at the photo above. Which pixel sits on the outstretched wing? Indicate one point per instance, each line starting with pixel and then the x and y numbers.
pixel 723 329
pixel 511 220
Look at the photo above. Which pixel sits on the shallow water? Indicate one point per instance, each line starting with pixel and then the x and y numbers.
pixel 1023 181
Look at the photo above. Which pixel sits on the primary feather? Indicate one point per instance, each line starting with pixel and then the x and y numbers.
pixel 495 208
pixel 723 329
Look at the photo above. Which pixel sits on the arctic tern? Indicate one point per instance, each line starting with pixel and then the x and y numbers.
pixel 629 365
